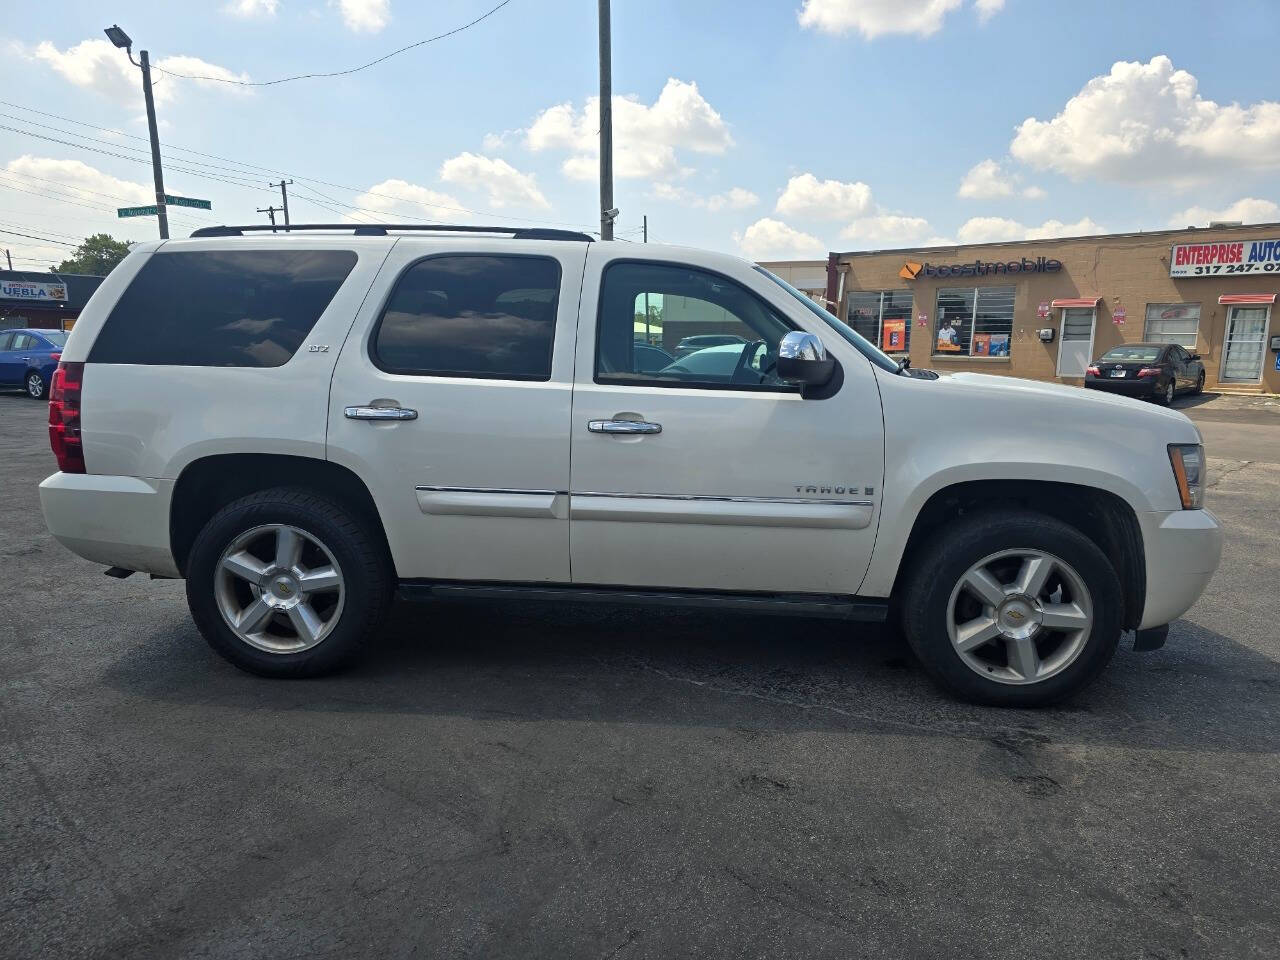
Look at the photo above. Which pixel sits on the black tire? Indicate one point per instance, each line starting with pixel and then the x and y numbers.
pixel 366 569
pixel 1200 383
pixel 959 545
pixel 1168 393
pixel 35 385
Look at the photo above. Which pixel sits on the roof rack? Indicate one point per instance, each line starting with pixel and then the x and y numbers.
pixel 381 230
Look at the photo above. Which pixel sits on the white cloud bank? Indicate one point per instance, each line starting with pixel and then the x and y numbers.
pixel 505 185
pixel 1246 210
pixel 97 65
pixel 989 180
pixel 874 18
pixel 365 16
pixel 769 239
pixel 996 229
pixel 411 200
pixel 735 198
pixel 1146 123
pixel 647 139
pixel 252 9
pixel 807 196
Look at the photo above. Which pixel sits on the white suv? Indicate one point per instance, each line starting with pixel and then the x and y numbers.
pixel 301 424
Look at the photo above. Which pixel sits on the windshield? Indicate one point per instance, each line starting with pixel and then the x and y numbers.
pixel 863 345
pixel 1138 353
pixel 56 337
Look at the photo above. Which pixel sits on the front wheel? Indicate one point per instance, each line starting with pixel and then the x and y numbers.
pixel 1013 609
pixel 35 384
pixel 287 583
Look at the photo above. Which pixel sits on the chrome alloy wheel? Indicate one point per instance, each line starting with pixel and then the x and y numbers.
pixel 35 385
pixel 279 589
pixel 1019 616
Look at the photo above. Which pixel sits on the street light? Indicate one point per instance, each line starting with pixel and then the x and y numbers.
pixel 121 40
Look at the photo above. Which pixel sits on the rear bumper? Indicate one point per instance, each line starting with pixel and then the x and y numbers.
pixel 115 521
pixel 1146 387
pixel 1183 548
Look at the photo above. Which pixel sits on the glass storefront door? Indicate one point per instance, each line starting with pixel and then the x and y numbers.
pixel 1244 343
pixel 1075 342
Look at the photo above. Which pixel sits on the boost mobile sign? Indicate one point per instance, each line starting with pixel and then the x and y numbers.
pixel 1237 256
pixel 980 268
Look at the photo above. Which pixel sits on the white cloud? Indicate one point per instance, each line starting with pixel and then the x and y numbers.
pixel 410 199
pixel 807 196
pixel 874 18
pixel 996 229
pixel 365 16
pixel 252 9
pixel 989 179
pixel 985 181
pixel 891 230
pixel 769 239
pixel 506 186
pixel 1146 123
pixel 99 66
pixel 735 198
pixel 645 138
pixel 86 182
pixel 1246 209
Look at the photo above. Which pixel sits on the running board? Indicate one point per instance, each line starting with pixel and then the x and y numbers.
pixel 867 609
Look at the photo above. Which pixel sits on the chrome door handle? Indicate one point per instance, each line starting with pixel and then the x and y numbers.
pixel 380 413
pixel 623 426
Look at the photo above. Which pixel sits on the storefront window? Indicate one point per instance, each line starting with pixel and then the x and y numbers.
pixel 974 321
pixel 1173 323
pixel 883 317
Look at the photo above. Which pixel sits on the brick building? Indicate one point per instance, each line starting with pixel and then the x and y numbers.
pixel 44 301
pixel 1043 309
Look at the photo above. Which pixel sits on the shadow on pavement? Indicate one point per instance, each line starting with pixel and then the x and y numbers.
pixel 536 662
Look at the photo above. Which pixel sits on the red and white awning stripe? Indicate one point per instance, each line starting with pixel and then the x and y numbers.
pixel 1076 302
pixel 1239 298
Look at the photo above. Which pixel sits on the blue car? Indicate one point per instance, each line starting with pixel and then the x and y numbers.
pixel 28 359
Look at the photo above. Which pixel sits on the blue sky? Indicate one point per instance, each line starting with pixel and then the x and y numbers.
pixel 773 130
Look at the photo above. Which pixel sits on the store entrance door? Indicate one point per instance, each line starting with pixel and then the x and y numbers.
pixel 1075 341
pixel 1243 345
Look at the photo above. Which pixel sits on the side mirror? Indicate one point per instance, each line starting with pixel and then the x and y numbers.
pixel 1195 356
pixel 803 359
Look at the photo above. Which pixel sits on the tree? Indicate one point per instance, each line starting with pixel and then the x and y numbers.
pixel 97 256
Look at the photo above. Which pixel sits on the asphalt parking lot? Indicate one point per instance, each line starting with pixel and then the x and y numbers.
pixel 532 781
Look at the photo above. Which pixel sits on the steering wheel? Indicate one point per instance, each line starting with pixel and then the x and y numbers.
pixel 749 353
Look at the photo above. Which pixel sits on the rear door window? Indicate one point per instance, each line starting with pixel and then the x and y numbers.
pixel 471 315
pixel 221 308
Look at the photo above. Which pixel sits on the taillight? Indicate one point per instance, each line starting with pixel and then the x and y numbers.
pixel 1093 371
pixel 64 417
pixel 1149 372
pixel 55 357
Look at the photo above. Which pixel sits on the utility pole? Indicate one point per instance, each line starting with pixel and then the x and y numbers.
pixel 646 228
pixel 9 258
pixel 647 338
pixel 270 212
pixel 284 197
pixel 608 213
pixel 122 41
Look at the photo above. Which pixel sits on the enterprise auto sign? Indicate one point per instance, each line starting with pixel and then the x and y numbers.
pixel 1236 256
pixel 32 290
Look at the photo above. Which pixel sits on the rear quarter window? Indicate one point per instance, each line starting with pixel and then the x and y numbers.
pixel 221 308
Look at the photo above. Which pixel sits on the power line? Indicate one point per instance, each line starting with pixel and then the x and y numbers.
pixel 335 73
pixel 32 236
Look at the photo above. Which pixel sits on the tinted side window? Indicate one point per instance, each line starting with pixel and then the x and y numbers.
pixel 222 308
pixel 716 332
pixel 471 316
pixel 6 340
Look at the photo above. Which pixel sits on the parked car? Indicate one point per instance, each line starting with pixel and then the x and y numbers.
pixel 28 359
pixel 1158 371
pixel 701 341
pixel 719 362
pixel 650 359
pixel 302 425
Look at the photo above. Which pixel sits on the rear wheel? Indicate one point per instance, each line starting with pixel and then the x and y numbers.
pixel 286 583
pixel 35 384
pixel 1200 383
pixel 1013 609
pixel 1167 395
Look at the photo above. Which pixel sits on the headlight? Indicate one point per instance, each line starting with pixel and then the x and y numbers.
pixel 1188 471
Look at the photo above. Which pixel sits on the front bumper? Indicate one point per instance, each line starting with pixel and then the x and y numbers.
pixel 115 521
pixel 1182 548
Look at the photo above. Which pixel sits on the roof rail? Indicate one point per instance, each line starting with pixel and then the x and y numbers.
pixel 381 230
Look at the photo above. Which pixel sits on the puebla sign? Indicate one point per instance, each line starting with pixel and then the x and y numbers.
pixel 979 268
pixel 1235 256
pixel 32 290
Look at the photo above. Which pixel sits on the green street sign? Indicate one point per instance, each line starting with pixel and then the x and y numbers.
pixel 151 211
pixel 187 202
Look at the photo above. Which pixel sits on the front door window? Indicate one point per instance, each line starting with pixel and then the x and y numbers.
pixel 1245 340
